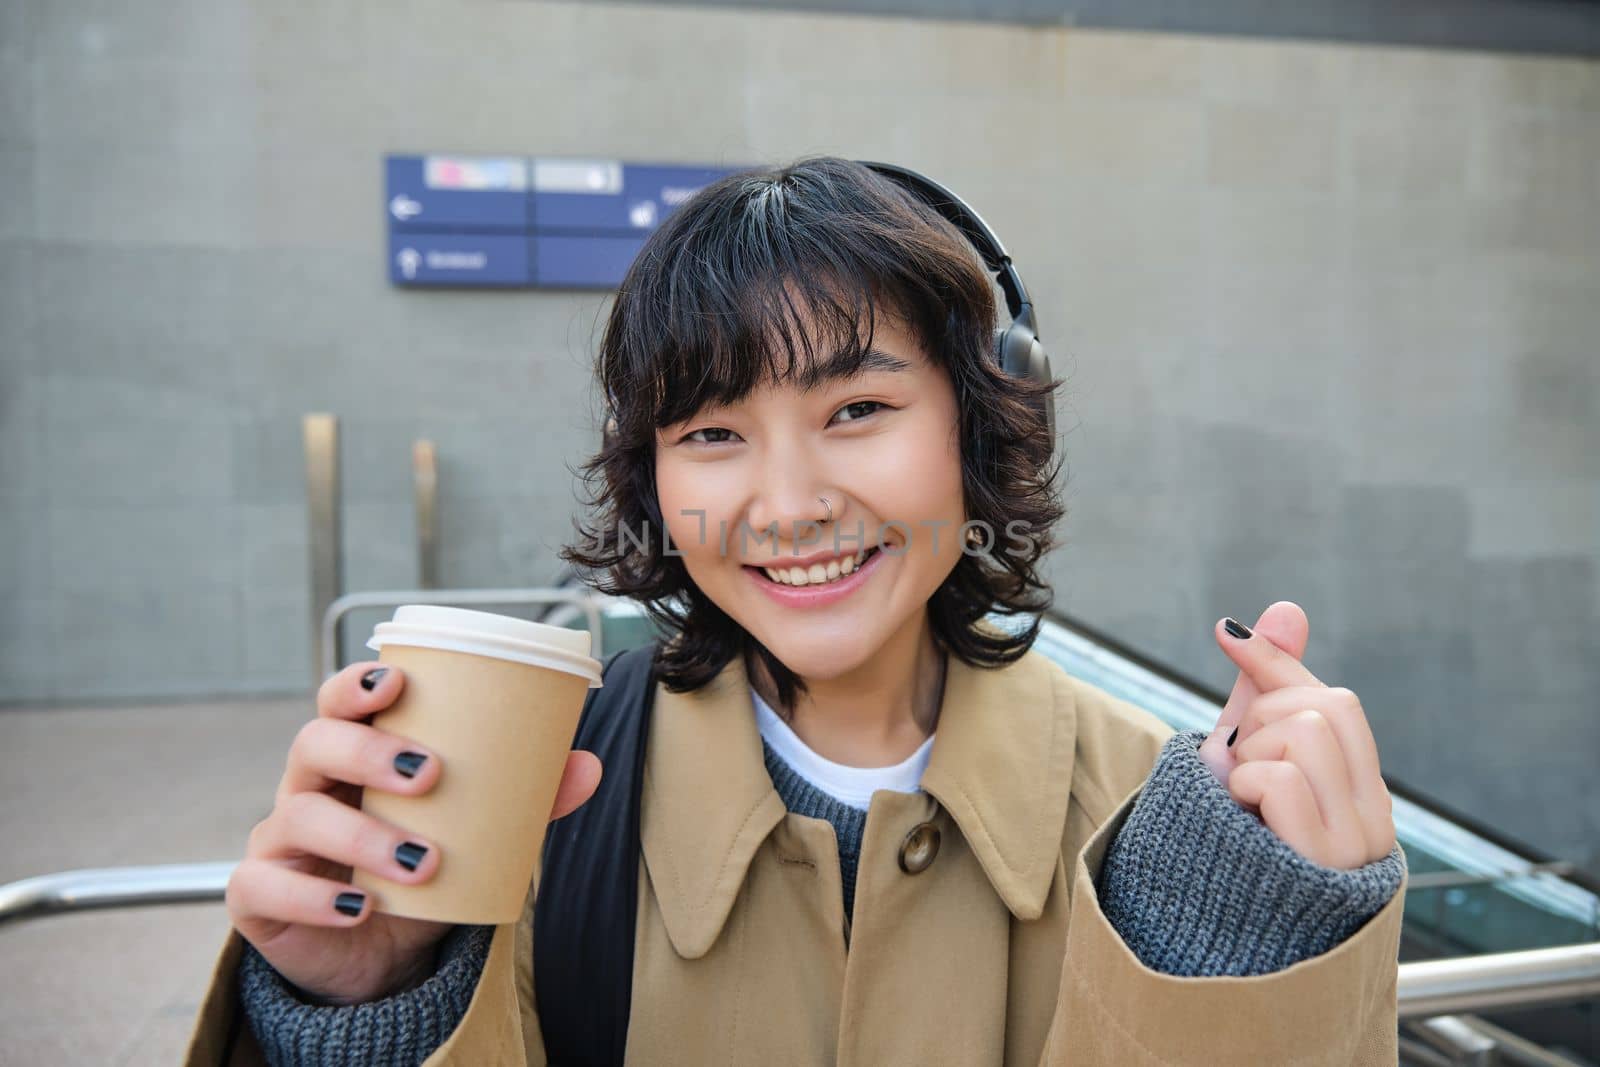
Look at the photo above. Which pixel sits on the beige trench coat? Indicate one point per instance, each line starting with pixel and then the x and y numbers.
pixel 996 953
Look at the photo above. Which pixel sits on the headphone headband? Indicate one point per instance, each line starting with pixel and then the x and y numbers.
pixel 965 218
pixel 1017 348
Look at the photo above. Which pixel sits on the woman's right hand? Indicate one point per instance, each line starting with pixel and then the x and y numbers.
pixel 285 897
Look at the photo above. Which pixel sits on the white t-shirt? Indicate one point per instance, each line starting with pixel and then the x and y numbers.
pixel 853 786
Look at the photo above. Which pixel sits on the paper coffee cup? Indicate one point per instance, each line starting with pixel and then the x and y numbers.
pixel 498 699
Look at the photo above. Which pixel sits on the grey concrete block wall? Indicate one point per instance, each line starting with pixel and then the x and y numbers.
pixel 1327 315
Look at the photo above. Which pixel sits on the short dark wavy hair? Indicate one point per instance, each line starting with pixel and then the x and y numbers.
pixel 757 278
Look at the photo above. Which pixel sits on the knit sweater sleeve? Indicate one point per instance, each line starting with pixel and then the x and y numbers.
pixel 403 1029
pixel 1196 886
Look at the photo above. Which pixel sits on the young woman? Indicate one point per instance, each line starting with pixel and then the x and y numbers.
pixel 876 828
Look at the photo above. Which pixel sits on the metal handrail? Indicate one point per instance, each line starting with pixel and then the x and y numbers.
pixel 1433 987
pixel 329 653
pixel 1500 980
pixel 114 887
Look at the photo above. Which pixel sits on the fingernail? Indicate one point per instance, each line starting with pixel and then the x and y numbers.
pixel 408 763
pixel 1236 628
pixel 1233 737
pixel 349 903
pixel 410 854
pixel 370 680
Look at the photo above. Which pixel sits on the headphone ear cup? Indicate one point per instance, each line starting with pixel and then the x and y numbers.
pixel 1019 353
pixel 1039 371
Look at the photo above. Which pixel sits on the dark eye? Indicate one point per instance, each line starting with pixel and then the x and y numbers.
pixel 714 435
pixel 857 410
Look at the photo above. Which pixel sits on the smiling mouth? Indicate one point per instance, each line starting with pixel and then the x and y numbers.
pixel 818 573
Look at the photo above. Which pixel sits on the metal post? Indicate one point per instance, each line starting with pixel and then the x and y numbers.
pixel 425 482
pixel 322 510
pixel 1458 1042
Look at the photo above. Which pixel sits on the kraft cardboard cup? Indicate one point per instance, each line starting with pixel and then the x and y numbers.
pixel 498 699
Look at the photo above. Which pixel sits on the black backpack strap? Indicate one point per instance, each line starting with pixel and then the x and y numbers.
pixel 584 913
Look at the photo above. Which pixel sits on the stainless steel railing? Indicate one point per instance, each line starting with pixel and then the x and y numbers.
pixel 114 887
pixel 1502 980
pixel 1436 987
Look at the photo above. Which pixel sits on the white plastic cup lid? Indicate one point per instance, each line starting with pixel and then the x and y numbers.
pixel 483 633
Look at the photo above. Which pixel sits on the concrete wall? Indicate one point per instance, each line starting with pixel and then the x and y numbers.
pixel 1327 313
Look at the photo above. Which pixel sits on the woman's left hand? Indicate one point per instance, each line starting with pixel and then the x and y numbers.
pixel 1297 752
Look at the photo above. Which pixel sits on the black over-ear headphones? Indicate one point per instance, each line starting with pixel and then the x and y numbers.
pixel 1016 347
pixel 1017 350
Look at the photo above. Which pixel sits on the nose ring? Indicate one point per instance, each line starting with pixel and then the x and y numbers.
pixel 828 506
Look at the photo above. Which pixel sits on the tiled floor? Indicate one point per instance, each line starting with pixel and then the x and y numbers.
pixel 104 787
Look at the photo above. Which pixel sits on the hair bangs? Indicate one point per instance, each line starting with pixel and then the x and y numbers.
pixel 779 329
pixel 779 276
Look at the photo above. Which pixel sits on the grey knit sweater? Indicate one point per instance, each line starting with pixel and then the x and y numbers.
pixel 803 798
pixel 1195 886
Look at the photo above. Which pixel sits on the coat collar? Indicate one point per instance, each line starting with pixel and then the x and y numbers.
pixel 1001 765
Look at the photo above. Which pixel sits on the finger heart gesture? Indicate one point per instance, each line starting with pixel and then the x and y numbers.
pixel 1297 752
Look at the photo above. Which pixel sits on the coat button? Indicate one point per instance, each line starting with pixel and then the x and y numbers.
pixel 919 848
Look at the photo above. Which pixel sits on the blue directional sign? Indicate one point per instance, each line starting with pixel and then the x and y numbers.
pixel 516 221
pixel 465 260
pixel 458 193
pixel 588 196
pixel 582 261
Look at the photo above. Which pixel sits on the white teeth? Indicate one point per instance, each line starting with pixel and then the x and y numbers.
pixel 817 573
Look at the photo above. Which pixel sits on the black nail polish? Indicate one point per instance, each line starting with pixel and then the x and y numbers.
pixel 408 763
pixel 370 680
pixel 1233 737
pixel 349 903
pixel 1236 628
pixel 410 854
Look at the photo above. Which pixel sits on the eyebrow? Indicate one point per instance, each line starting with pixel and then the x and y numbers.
pixel 843 365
